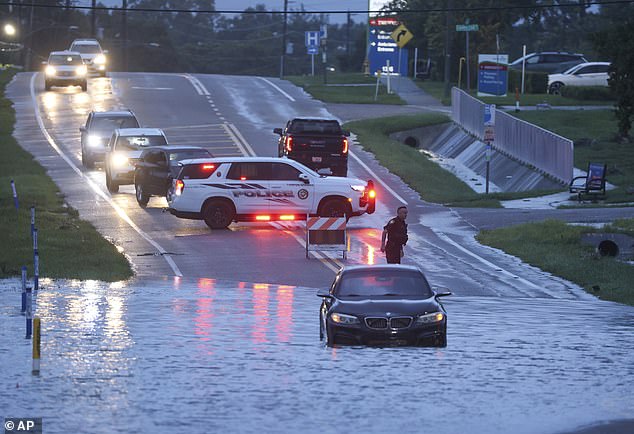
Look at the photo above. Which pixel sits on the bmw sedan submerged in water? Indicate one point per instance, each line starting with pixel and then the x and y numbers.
pixel 382 305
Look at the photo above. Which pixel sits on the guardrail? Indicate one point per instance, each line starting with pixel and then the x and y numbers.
pixel 548 152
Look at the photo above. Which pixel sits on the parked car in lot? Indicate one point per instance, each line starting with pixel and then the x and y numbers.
pixel 65 68
pixel 92 54
pixel 584 74
pixel 247 189
pixel 124 148
pixel 382 305
pixel 158 166
pixel 548 61
pixel 316 143
pixel 98 130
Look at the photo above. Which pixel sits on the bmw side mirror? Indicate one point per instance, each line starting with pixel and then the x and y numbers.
pixel 324 293
pixel 304 178
pixel 441 292
pixel 278 131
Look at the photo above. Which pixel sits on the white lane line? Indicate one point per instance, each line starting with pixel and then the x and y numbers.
pixel 152 88
pixel 200 88
pixel 276 87
pixel 95 187
pixel 235 140
pixel 192 126
pixel 238 135
pixel 378 179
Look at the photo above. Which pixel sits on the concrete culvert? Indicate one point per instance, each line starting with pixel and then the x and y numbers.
pixel 608 248
pixel 411 141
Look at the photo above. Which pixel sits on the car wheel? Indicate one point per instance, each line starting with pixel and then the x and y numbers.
pixel 86 161
pixel 441 341
pixel 322 326
pixel 112 186
pixel 141 197
pixel 555 88
pixel 218 214
pixel 84 86
pixel 47 85
pixel 334 208
pixel 104 74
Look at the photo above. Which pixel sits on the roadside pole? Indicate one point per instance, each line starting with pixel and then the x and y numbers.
pixel 415 62
pixel 523 66
pixel 36 346
pixel 389 89
pixel 378 80
pixel 489 137
pixel 312 65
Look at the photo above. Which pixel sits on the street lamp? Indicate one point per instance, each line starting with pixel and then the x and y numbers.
pixel 9 29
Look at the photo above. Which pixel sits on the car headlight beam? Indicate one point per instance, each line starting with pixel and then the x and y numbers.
pixel 50 70
pixel 94 141
pixel 100 59
pixel 430 318
pixel 119 160
pixel 342 318
pixel 81 70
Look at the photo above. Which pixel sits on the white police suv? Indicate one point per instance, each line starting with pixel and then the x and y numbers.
pixel 246 189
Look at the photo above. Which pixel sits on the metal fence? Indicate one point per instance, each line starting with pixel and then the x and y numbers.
pixel 518 139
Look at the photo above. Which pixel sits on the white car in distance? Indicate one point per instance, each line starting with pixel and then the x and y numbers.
pixel 584 74
pixel 92 54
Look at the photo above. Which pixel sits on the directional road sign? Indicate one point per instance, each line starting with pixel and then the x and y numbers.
pixel 467 27
pixel 402 36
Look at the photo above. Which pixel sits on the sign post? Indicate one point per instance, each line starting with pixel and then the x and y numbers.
pixel 466 28
pixel 311 40
pixel 489 137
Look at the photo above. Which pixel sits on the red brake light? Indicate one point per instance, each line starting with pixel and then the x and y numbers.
pixel 288 143
pixel 178 187
pixel 263 218
pixel 287 217
pixel 345 146
pixel 208 167
pixel 372 194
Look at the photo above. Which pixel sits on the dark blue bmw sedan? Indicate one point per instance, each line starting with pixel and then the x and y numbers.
pixel 382 305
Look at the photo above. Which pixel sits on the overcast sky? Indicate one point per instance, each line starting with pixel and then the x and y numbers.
pixel 310 5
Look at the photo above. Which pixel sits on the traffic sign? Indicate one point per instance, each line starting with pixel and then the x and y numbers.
pixel 402 36
pixel 467 27
pixel 311 38
pixel 489 115
pixel 381 48
pixel 312 50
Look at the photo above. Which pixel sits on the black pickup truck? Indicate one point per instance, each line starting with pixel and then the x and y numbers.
pixel 316 143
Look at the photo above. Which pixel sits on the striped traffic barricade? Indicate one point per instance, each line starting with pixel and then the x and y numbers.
pixel 326 234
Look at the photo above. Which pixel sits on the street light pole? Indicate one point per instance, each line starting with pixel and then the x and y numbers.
pixel 93 19
pixel 448 48
pixel 124 35
pixel 282 59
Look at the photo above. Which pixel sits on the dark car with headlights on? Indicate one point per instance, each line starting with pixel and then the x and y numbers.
pixel 382 305
pixel 158 166
pixel 98 130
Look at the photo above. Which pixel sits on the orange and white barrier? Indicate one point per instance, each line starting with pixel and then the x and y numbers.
pixel 326 234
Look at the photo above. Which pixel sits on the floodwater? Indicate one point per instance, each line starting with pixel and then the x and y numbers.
pixel 202 356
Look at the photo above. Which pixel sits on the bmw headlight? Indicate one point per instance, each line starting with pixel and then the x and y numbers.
pixel 342 318
pixel 430 318
pixel 360 188
pixel 94 141
pixel 100 59
pixel 81 70
pixel 50 70
pixel 119 160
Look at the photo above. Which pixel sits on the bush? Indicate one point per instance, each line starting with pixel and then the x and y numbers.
pixel 534 82
pixel 588 93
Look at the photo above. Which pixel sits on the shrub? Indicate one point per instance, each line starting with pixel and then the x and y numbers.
pixel 591 93
pixel 534 82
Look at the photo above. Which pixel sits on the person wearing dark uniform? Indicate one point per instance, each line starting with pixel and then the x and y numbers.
pixel 396 233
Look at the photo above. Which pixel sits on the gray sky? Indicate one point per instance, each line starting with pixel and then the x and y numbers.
pixel 311 5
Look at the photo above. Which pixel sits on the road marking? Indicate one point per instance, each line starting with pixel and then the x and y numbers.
pixel 239 140
pixel 200 88
pixel 152 88
pixel 378 179
pixel 276 87
pixel 95 187
pixel 192 126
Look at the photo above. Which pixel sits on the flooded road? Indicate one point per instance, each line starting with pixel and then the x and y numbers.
pixel 199 356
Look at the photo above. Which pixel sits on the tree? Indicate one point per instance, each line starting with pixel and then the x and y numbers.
pixel 617 44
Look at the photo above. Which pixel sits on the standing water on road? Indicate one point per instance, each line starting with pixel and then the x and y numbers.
pixel 204 355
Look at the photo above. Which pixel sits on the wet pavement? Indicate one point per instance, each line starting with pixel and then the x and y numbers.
pixel 179 355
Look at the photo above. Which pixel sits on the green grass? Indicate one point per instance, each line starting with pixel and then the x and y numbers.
pixel 437 90
pixel 594 134
pixel 431 181
pixel 68 246
pixel 556 247
pixel 334 93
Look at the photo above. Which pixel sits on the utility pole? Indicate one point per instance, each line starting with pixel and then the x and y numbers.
pixel 27 59
pixel 448 20
pixel 93 19
pixel 348 37
pixel 282 59
pixel 124 35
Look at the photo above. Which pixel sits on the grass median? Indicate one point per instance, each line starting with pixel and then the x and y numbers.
pixel 431 181
pixel 347 88
pixel 594 135
pixel 556 247
pixel 69 247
